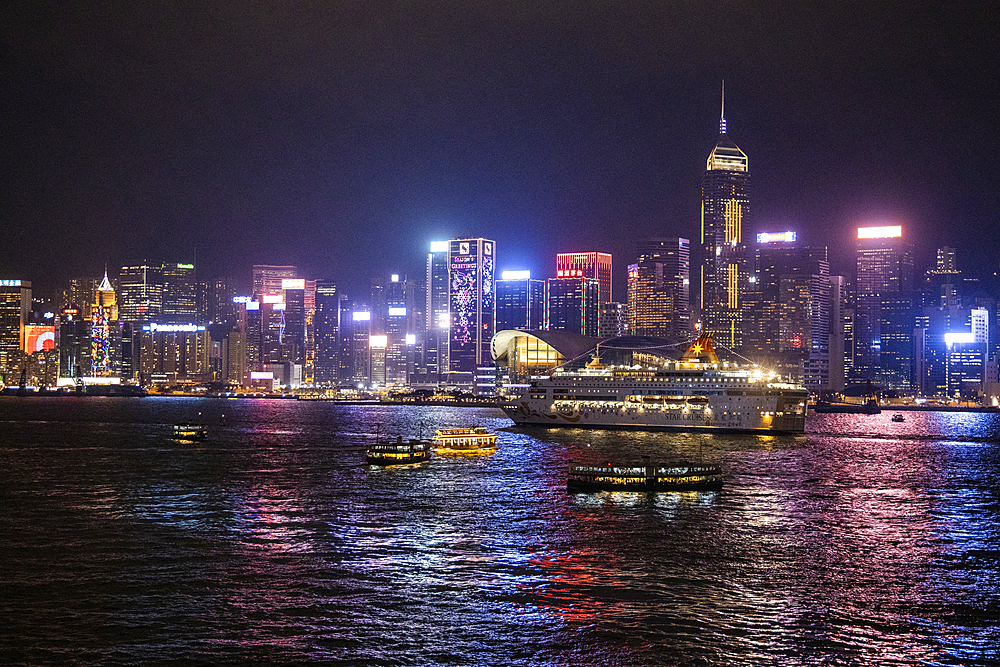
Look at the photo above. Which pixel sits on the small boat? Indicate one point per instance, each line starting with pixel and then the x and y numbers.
pixel 465 441
pixel 189 431
pixel 643 477
pixel 897 417
pixel 399 452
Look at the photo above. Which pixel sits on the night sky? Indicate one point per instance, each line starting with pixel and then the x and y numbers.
pixel 345 136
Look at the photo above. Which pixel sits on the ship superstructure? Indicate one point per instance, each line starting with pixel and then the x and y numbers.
pixel 694 392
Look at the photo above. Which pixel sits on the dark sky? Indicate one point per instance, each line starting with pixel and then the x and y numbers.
pixel 345 136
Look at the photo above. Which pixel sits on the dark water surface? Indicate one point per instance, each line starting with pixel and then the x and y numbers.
pixel 864 542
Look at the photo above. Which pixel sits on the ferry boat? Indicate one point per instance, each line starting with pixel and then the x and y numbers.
pixel 188 431
pixel 645 477
pixel 399 452
pixel 650 390
pixel 897 417
pixel 458 441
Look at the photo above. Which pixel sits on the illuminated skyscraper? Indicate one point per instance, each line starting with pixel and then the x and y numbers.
pixel 471 263
pixel 595 265
pixel 520 302
pixel 140 298
pixel 884 316
pixel 725 209
pixel 437 320
pixel 573 305
pixel 326 327
pixel 180 295
pixel 15 305
pixel 658 289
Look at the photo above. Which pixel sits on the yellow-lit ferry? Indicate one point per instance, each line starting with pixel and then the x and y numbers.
pixel 695 392
pixel 465 441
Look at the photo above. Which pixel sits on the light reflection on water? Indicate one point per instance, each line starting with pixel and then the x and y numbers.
pixel 863 542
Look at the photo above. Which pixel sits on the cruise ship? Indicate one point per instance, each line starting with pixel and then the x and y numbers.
pixel 653 391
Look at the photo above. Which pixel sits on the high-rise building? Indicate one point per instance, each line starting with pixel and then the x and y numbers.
pixel 786 314
pixel 397 318
pixel 838 308
pixel 573 305
pixel 520 302
pixel 326 327
pixel 15 306
pixel 613 320
pixel 725 209
pixel 884 316
pixel 595 265
pixel 658 289
pixel 180 293
pixel 437 318
pixel 140 297
pixel 471 263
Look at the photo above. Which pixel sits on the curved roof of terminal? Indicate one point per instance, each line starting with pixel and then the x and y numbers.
pixel 571 345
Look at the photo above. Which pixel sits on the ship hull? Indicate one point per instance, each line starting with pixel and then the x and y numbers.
pixel 536 413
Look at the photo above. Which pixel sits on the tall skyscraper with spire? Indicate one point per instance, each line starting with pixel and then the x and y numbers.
pixel 725 208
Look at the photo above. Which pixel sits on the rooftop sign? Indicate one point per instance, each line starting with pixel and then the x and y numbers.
pixel 888 232
pixel 776 237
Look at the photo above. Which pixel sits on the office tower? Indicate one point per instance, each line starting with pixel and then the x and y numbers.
pixel 105 298
pixel 74 343
pixel 786 314
pixel 396 318
pixel 613 320
pixel 471 266
pixel 174 353
pixel 573 305
pixel 659 288
pixel 326 332
pixel 309 370
pixel 81 292
pixel 883 313
pixel 838 308
pixel 361 347
pixel 219 307
pixel 15 306
pixel 180 294
pixel 267 278
pixel 435 363
pixel 725 209
pixel 588 265
pixel 520 302
pixel 140 293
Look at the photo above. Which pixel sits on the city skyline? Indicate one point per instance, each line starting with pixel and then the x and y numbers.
pixel 334 138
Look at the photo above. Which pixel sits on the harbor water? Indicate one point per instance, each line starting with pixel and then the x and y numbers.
pixel 863 542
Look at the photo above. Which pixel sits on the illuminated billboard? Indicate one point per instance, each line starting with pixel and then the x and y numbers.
pixel 569 273
pixel 411 339
pixel 241 299
pixel 361 316
pixel 273 298
pixel 278 306
pixel 515 275
pixel 10 283
pixel 378 342
pixel 775 237
pixel 173 328
pixel 439 246
pixel 38 337
pixel 261 375
pixel 397 312
pixel 253 305
pixel 962 337
pixel 888 232
pixel 293 283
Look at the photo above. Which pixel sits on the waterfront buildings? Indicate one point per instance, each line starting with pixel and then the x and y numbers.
pixel 326 332
pixel 15 304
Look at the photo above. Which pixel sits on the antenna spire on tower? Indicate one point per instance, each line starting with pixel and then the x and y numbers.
pixel 722 117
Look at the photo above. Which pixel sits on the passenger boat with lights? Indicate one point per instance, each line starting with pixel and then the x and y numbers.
pixel 648 389
pixel 465 441
pixel 188 431
pixel 643 477
pixel 399 452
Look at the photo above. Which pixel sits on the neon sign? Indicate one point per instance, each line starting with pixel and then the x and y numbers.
pixel 293 283
pixel 888 232
pixel 776 237
pixel 515 275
